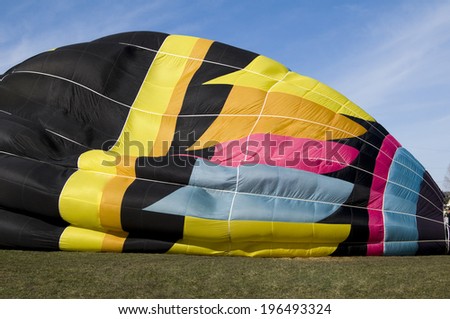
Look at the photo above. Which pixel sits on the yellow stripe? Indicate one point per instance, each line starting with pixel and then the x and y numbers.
pixel 205 229
pixel 81 197
pixel 153 99
pixel 263 72
pixel 283 114
pixel 81 239
pixel 114 242
pixel 314 121
pixel 111 203
pixel 168 123
pixel 265 94
pixel 98 161
pixel 317 92
pixel 284 232
pixel 260 238
pixel 244 230
pixel 253 249
pixel 92 196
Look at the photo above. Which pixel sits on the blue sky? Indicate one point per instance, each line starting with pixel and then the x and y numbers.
pixel 390 57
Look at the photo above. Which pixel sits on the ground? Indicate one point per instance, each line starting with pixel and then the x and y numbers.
pixel 109 275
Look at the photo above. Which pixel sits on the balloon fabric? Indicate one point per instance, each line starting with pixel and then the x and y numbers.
pixel 158 143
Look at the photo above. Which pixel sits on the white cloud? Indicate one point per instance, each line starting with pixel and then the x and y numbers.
pixel 401 76
pixel 410 53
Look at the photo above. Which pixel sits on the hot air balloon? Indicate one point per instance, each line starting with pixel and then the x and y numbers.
pixel 158 143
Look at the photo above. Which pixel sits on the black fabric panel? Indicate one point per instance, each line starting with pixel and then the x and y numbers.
pixel 354 209
pixel 353 212
pixel 98 66
pixel 361 175
pixel 375 127
pixel 152 225
pixel 73 112
pixel 143 193
pixel 26 138
pixel 31 186
pixel 350 249
pixel 172 169
pixel 146 39
pixel 230 55
pixel 356 242
pixel 432 248
pixel 20 231
pixel 143 245
pixel 430 206
pixel 147 224
pixel 368 144
pixel 157 178
pixel 207 99
pixel 84 94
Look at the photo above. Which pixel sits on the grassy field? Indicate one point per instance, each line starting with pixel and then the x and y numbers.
pixel 107 275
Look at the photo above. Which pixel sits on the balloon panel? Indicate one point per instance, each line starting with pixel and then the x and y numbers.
pixel 150 142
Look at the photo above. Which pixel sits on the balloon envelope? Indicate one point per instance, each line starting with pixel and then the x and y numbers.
pixel 149 142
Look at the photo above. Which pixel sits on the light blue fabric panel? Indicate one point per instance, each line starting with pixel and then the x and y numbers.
pixel 400 248
pixel 195 201
pixel 249 207
pixel 400 204
pixel 292 183
pixel 208 195
pixel 291 195
pixel 209 175
pixel 264 193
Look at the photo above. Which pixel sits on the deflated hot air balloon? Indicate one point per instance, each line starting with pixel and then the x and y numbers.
pixel 149 142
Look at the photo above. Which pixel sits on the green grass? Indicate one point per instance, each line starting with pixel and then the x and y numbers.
pixel 106 275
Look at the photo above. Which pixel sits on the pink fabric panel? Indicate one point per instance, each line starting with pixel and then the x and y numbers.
pixel 375 206
pixel 315 156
